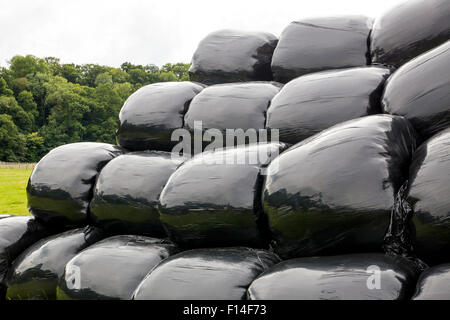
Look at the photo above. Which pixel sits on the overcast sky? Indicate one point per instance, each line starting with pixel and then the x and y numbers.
pixel 110 32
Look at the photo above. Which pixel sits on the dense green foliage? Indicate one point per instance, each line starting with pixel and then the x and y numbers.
pixel 44 104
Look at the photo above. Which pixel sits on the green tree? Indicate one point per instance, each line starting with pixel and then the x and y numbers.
pixel 12 142
pixel 21 66
pixel 23 120
pixel 4 89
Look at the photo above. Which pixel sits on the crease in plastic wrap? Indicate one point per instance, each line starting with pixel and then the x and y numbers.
pixel 420 91
pixel 16 234
pixel 205 274
pixel 232 106
pixel 409 30
pixel 212 200
pixel 333 192
pixel 126 195
pixel 428 197
pixel 60 187
pixel 433 284
pixel 150 115
pixel 229 55
pixel 367 276
pixel 112 268
pixel 314 102
pixel 35 273
pixel 318 44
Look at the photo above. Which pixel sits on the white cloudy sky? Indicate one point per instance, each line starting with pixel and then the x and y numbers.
pixel 110 32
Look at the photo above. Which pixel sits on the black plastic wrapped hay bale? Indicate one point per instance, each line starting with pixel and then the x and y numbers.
pixel 126 195
pixel 232 106
pixel 333 193
pixel 419 91
pixel 16 234
pixel 112 268
pixel 428 195
pixel 433 284
pixel 227 56
pixel 150 114
pixel 409 30
pixel 314 102
pixel 369 276
pixel 36 272
pixel 212 200
pixel 317 44
pixel 60 186
pixel 205 274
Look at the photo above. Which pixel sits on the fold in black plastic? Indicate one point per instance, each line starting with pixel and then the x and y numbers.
pixel 226 56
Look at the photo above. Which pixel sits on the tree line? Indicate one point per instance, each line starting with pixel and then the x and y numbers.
pixel 44 103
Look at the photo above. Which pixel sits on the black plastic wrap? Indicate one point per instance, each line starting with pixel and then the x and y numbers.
pixel 205 274
pixel 433 284
pixel 126 195
pixel 314 102
pixel 150 114
pixel 36 272
pixel 369 276
pixel 228 55
pixel 429 197
pixel 206 203
pixel 60 187
pixel 317 44
pixel 16 234
pixel 409 30
pixel 419 91
pixel 232 106
pixel 333 192
pixel 112 268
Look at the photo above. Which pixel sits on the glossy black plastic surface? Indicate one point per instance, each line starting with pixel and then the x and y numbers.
pixel 317 101
pixel 205 274
pixel 210 202
pixel 409 30
pixel 35 273
pixel 369 276
pixel 419 91
pixel 333 192
pixel 228 55
pixel 126 195
pixel 150 114
pixel 429 196
pixel 317 44
pixel 16 234
pixel 60 187
pixel 232 106
pixel 433 284
pixel 112 268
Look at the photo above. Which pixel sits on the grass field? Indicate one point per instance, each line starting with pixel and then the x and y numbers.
pixel 13 181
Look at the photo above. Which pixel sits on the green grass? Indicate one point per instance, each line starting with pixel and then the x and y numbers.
pixel 13 197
